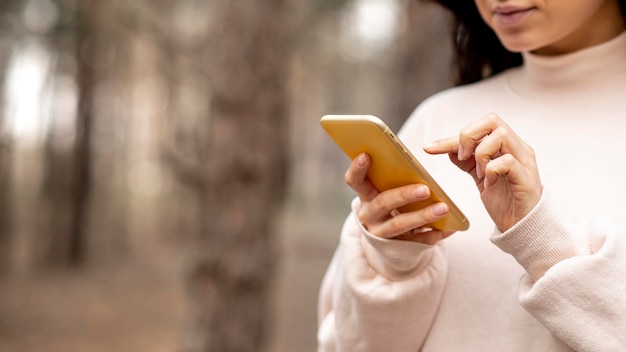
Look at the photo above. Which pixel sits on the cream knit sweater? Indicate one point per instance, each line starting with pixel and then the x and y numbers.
pixel 554 282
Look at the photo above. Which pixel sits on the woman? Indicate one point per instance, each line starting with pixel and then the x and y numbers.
pixel 543 265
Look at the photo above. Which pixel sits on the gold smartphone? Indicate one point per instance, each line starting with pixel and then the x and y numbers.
pixel 392 165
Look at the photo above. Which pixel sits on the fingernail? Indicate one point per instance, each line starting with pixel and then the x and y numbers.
pixel 360 160
pixel 488 183
pixel 421 192
pixel 428 146
pixel 440 209
pixel 460 153
pixel 479 171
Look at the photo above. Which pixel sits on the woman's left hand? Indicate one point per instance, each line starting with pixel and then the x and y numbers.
pixel 502 165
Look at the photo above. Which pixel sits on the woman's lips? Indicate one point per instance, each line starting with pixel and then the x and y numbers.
pixel 512 17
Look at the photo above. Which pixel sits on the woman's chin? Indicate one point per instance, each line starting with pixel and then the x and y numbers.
pixel 519 46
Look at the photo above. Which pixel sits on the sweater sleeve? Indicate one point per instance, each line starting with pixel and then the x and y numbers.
pixel 576 282
pixel 379 294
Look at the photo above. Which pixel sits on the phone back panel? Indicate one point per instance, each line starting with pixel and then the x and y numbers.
pixel 392 165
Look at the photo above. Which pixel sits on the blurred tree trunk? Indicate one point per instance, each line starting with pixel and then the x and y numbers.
pixel 56 189
pixel 6 208
pixel 6 202
pixel 67 182
pixel 244 177
pixel 423 65
pixel 88 12
pixel 89 21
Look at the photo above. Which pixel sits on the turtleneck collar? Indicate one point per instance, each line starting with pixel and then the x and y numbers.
pixel 586 74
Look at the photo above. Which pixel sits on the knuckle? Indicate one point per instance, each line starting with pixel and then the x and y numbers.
pixel 531 151
pixel 492 117
pixel 481 156
pixel 408 194
pixel 364 216
pixel 372 193
pixel 396 226
pixel 508 159
pixel 501 164
pixel 349 178
pixel 381 202
pixel 502 132
pixel 464 134
pixel 426 216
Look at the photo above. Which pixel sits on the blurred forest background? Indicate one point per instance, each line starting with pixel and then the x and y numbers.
pixel 164 183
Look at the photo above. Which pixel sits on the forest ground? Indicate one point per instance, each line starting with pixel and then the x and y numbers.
pixel 137 303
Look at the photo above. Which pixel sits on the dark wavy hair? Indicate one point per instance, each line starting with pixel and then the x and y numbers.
pixel 478 52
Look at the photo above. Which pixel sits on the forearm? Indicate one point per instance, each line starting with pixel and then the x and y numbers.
pixel 576 289
pixel 379 295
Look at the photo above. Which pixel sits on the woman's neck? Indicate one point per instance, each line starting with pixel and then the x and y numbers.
pixel 581 76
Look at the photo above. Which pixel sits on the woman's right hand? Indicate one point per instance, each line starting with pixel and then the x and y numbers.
pixel 378 209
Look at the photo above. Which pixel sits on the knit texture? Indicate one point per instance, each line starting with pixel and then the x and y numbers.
pixel 556 281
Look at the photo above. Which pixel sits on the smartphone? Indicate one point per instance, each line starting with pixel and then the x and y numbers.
pixel 392 164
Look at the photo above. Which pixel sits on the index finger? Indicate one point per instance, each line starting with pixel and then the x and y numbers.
pixel 443 146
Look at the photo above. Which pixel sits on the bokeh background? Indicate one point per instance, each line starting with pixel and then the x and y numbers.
pixel 164 182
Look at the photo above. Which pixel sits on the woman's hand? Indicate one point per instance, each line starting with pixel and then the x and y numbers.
pixel 502 164
pixel 378 209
